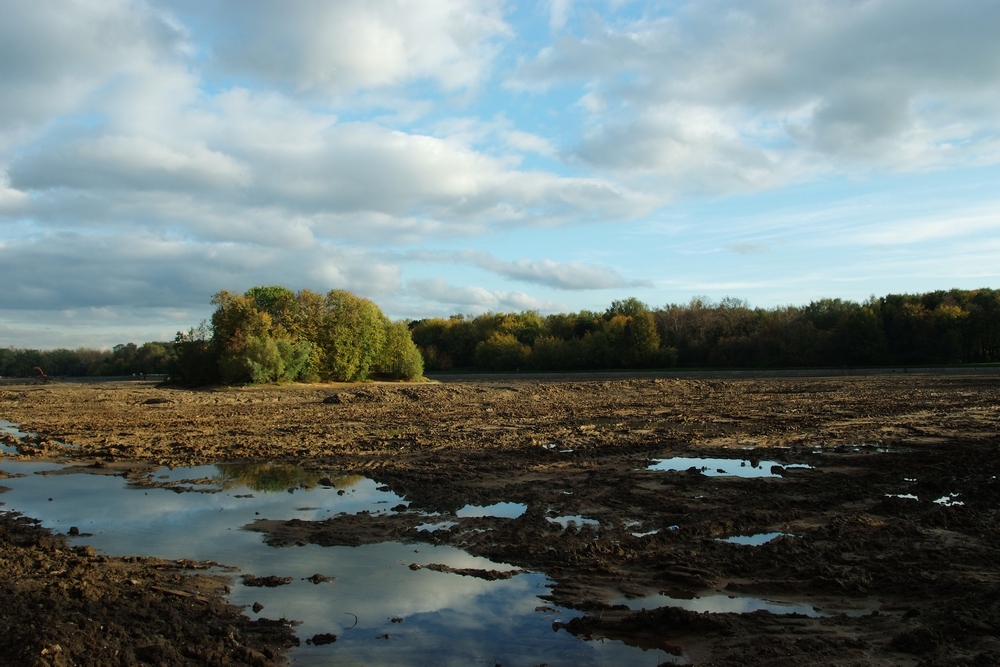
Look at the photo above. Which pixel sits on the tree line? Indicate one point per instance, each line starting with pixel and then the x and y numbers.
pixel 942 327
pixel 271 334
pixel 125 359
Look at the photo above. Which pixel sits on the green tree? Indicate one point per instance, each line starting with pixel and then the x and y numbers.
pixel 352 335
pixel 400 359
pixel 502 352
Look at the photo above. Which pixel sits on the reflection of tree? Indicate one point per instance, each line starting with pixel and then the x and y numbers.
pixel 265 477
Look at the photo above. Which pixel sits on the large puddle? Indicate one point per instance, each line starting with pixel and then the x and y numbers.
pixel 383 611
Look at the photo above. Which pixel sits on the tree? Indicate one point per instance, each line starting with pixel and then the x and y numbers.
pixel 352 335
pixel 502 352
pixel 400 359
pixel 196 361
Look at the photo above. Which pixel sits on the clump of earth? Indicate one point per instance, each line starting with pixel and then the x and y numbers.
pixel 881 493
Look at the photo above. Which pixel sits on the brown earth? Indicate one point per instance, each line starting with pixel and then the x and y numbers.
pixel 901 581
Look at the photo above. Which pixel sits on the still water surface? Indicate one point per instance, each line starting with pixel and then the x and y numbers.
pixel 447 619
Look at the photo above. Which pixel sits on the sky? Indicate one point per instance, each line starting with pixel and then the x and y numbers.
pixel 465 156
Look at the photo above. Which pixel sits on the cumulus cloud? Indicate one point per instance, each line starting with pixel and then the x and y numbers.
pixel 69 270
pixel 727 95
pixel 53 54
pixel 129 163
pixel 337 47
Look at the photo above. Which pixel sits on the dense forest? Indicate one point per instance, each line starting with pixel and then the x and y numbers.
pixel 271 334
pixel 956 326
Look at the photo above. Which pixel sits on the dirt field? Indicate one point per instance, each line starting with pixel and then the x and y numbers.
pixel 902 581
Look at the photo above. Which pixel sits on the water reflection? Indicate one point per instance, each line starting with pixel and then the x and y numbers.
pixel 716 467
pixel 754 540
pixel 270 478
pixel 498 510
pixel 720 603
pixel 447 619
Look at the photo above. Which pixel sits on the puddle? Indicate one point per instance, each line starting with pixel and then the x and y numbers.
pixel 717 467
pixel 446 618
pixel 944 501
pixel 499 511
pixel 431 527
pixel 10 428
pixel 641 533
pixel 754 540
pixel 949 500
pixel 575 521
pixel 720 604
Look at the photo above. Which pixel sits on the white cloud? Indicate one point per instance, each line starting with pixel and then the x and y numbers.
pixel 529 143
pixel 559 12
pixel 129 163
pixel 560 275
pixel 478 299
pixel 54 55
pixel 71 270
pixel 726 95
pixel 338 47
pixel 935 228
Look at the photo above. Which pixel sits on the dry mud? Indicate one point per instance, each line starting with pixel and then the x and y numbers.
pixel 899 580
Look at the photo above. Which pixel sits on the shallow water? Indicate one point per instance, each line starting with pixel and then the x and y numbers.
pixel 447 619
pixel 499 510
pixel 719 467
pixel 8 427
pixel 754 540
pixel 719 604
pixel 575 521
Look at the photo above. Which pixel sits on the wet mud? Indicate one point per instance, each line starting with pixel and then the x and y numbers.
pixel 66 606
pixel 882 491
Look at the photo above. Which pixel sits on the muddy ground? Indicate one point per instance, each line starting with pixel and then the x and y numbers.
pixel 901 581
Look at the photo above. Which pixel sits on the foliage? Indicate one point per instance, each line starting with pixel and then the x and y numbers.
pixel 271 334
pixel 935 328
pixel 502 352
pixel 352 333
pixel 400 359
pixel 195 360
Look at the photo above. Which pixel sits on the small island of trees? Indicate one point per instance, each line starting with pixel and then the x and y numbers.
pixel 271 334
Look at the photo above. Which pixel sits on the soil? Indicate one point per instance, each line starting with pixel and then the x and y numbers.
pixel 900 580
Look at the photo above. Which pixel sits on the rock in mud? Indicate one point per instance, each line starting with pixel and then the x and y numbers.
pixel 270 581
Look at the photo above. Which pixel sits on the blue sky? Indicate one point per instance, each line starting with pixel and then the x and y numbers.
pixel 462 156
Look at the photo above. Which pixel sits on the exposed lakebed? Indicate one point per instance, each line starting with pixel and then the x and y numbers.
pixel 581 537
